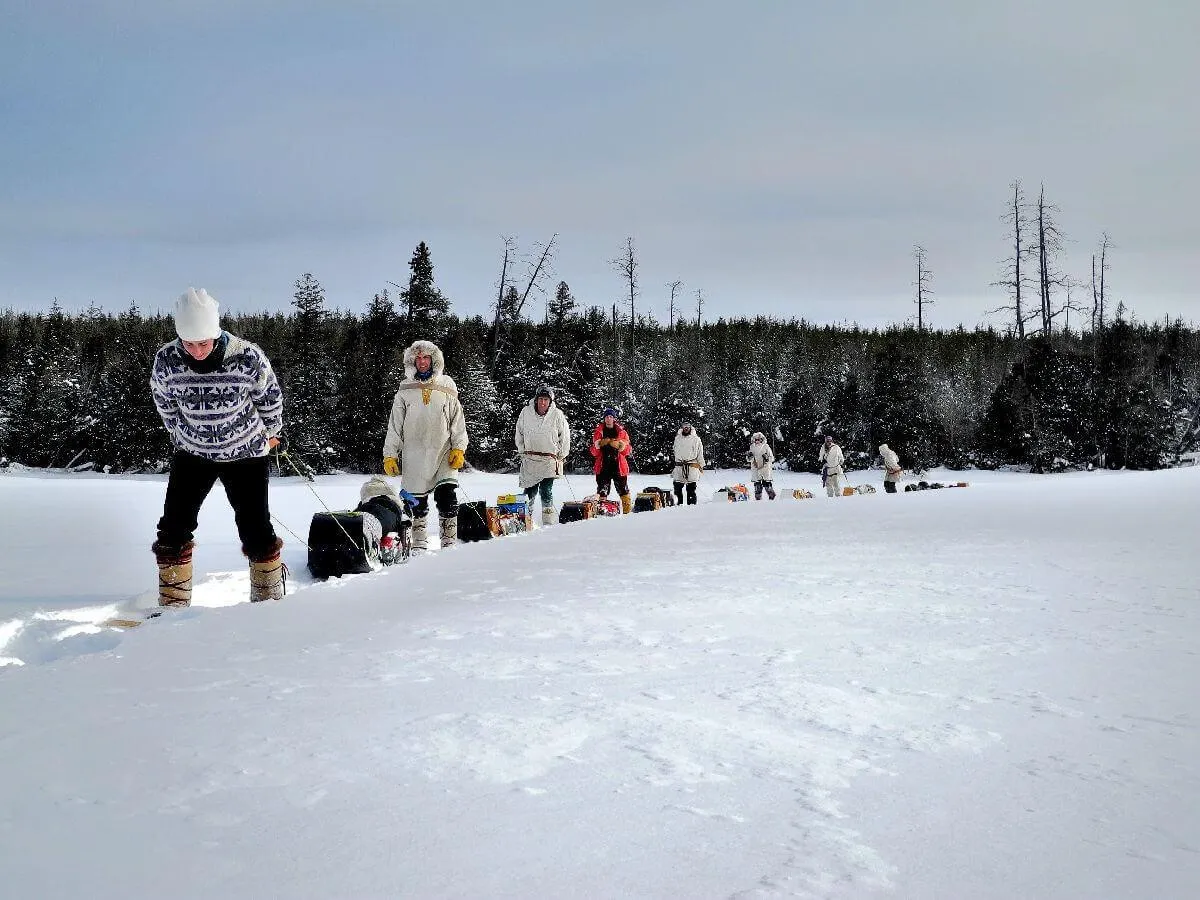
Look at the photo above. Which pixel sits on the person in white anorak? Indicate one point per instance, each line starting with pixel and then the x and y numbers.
pixel 761 461
pixel 832 461
pixel 689 463
pixel 892 469
pixel 543 439
pixel 426 441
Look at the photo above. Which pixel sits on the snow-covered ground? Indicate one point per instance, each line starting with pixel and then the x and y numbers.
pixel 987 692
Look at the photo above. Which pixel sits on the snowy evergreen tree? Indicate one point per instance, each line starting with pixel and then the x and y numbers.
pixel 798 432
pixel 367 382
pixel 849 421
pixel 49 412
pixel 490 420
pixel 1134 426
pixel 424 305
pixel 127 433
pixel 560 307
pixel 901 416
pixel 307 378
pixel 1039 415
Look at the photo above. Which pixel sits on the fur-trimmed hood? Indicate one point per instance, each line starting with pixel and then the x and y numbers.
pixel 377 486
pixel 543 391
pixel 410 358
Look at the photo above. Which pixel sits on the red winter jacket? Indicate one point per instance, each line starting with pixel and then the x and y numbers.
pixel 624 450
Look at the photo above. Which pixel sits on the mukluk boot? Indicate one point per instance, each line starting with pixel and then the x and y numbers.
pixel 449 530
pixel 547 516
pixel 420 537
pixel 174 574
pixel 268 575
pixel 626 504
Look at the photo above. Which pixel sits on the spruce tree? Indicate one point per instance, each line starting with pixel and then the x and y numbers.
pixel 1133 425
pixel 308 381
pixel 901 415
pixel 424 304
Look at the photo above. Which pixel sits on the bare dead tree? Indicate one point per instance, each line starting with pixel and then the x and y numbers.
pixel 1098 283
pixel 1049 245
pixel 1069 304
pixel 627 267
pixel 510 246
pixel 1016 275
pixel 675 287
pixel 922 284
pixel 537 273
pixel 509 310
pixel 699 306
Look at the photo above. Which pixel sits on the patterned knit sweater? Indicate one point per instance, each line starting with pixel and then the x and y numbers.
pixel 224 414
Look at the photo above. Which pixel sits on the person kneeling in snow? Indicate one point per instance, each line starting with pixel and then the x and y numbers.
pixel 221 404
pixel 761 459
pixel 379 499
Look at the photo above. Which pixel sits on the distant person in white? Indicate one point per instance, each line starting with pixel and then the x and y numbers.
pixel 688 450
pixel 832 461
pixel 891 468
pixel 543 440
pixel 761 461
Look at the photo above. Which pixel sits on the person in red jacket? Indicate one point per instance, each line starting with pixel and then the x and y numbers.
pixel 611 448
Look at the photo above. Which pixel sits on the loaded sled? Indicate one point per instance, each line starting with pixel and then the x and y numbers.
pixel 377 533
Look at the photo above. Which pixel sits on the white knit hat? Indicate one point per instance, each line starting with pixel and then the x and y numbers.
pixel 196 317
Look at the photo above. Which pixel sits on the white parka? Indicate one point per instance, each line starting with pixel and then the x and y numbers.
pixel 542 441
pixel 760 458
pixel 891 463
pixel 425 424
pixel 688 449
pixel 831 457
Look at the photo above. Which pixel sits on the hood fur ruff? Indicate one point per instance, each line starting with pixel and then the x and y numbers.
pixel 410 358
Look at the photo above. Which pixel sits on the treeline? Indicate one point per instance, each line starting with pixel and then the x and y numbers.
pixel 74 389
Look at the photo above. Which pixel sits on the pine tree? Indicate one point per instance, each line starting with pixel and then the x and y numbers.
pixel 370 369
pixel 490 420
pixel 1133 425
pixel 424 304
pixel 49 412
pixel 901 416
pixel 560 307
pixel 127 433
pixel 849 420
pixel 798 434
pixel 307 379
pixel 1039 416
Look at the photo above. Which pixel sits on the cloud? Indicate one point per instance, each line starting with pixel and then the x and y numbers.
pixel 785 157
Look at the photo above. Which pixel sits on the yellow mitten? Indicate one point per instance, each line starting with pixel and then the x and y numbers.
pixel 391 467
pixel 456 459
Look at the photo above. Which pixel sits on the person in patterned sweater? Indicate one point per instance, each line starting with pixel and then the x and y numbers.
pixel 221 404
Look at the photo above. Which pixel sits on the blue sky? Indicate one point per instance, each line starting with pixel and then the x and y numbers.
pixel 782 157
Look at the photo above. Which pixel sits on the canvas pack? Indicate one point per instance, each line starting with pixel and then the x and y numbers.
pixel 343 543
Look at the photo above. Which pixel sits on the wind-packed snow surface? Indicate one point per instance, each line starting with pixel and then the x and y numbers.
pixel 987 692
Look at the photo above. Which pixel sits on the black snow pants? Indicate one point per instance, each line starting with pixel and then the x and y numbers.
pixel 445 498
pixel 245 483
pixel 691 492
